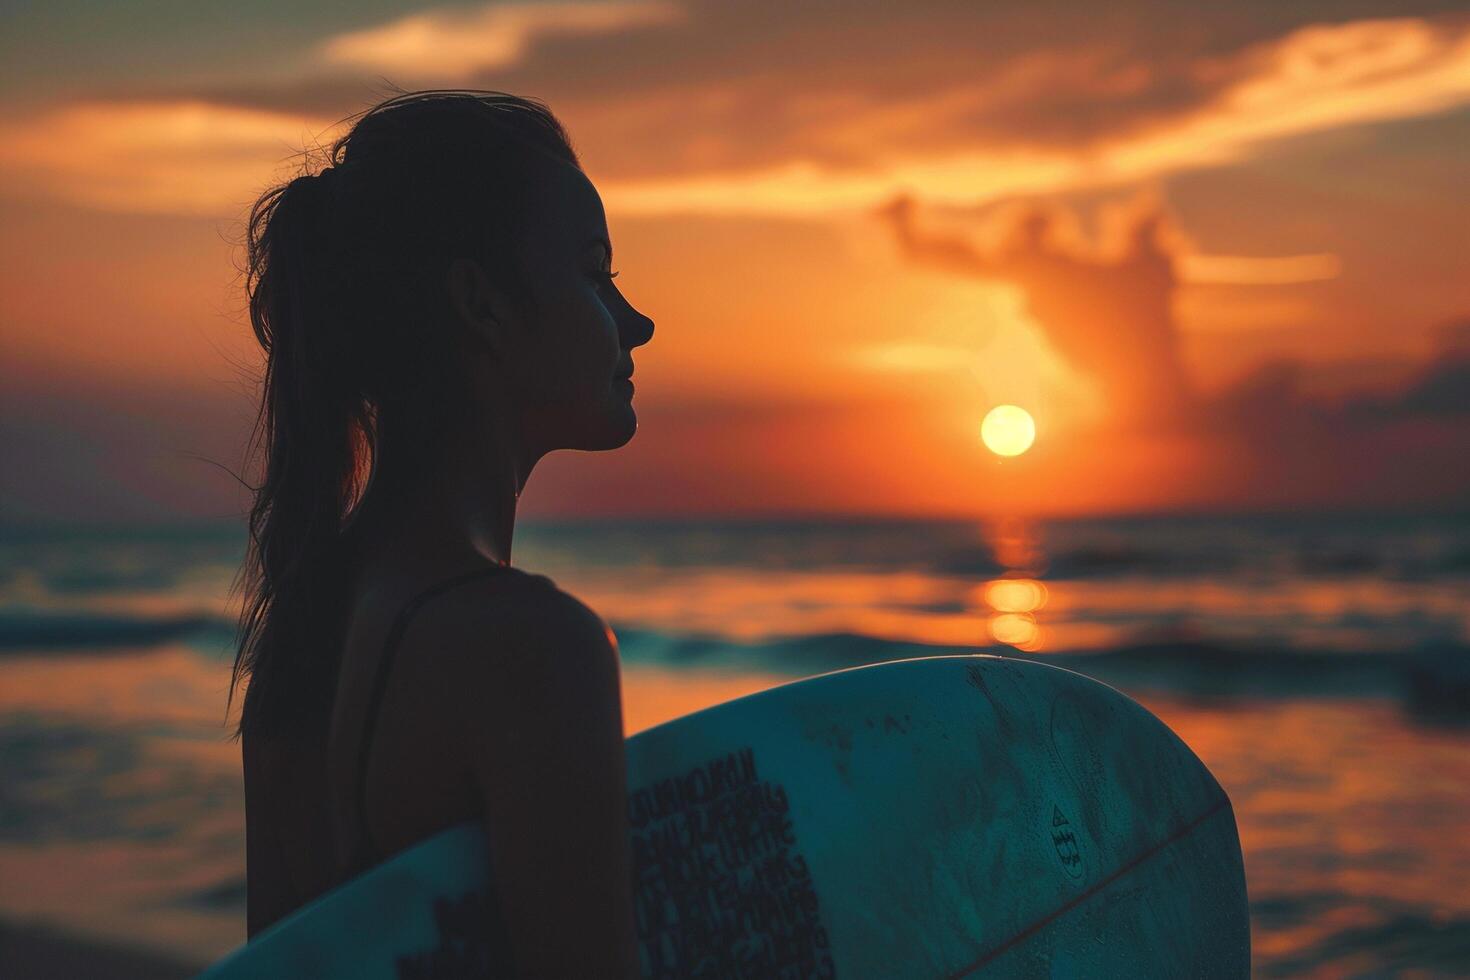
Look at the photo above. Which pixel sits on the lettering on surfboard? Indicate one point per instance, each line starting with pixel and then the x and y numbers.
pixel 1065 842
pixel 464 949
pixel 721 889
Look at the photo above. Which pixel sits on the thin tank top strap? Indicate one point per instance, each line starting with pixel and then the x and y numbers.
pixel 365 846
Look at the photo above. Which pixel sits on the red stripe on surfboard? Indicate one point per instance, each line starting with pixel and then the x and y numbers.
pixel 1053 916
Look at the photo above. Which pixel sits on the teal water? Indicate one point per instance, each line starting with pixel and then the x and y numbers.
pixel 1317 664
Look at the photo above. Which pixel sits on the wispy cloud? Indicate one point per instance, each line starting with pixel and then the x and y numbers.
pixel 783 141
pixel 910 357
pixel 182 157
pixel 1249 270
pixel 1315 79
pixel 455 44
pixel 1270 439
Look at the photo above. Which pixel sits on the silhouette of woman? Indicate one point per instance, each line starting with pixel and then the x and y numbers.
pixel 437 310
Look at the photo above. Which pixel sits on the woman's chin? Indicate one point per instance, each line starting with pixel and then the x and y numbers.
pixel 617 428
pixel 628 426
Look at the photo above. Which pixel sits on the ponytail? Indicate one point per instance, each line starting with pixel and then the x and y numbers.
pixel 312 420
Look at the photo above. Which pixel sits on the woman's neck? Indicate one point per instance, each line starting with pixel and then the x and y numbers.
pixel 449 504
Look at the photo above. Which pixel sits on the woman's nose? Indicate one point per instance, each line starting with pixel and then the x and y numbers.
pixel 637 329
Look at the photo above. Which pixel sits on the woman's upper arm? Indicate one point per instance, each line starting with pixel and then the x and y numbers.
pixel 542 724
pixel 265 874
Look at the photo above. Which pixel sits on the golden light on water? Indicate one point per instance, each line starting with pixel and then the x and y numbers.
pixel 1014 600
pixel 1008 430
pixel 1016 629
pixel 1015 594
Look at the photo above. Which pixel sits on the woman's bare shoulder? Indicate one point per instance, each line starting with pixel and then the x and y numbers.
pixel 532 612
pixel 528 686
pixel 514 642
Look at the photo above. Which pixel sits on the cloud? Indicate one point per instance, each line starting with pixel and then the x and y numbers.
pixel 1316 78
pixel 1441 389
pixel 1107 306
pixel 907 356
pixel 184 157
pixel 950 143
pixel 1264 441
pixel 455 44
pixel 720 114
pixel 1402 447
pixel 1108 315
pixel 1246 270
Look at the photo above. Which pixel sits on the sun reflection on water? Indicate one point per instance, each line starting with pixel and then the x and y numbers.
pixel 1015 597
pixel 1016 629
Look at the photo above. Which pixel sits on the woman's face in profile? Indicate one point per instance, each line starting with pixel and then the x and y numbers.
pixel 569 367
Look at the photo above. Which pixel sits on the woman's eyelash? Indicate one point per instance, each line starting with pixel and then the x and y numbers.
pixel 607 276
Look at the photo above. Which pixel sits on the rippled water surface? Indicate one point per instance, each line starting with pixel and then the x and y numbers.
pixel 1317 666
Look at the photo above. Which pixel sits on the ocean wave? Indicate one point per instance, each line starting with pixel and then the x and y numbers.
pixel 72 780
pixel 1431 680
pixel 1398 938
pixel 53 631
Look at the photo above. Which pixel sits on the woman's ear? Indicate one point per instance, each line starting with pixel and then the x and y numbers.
pixel 477 304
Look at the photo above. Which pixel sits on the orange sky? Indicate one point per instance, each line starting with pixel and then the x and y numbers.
pixel 1220 257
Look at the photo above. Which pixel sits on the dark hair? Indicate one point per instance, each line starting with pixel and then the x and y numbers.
pixel 345 276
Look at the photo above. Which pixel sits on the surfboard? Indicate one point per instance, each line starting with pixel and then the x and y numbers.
pixel 959 816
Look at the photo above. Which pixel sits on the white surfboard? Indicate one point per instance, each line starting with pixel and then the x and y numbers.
pixel 932 818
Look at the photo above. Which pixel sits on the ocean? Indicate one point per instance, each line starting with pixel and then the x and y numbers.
pixel 1318 664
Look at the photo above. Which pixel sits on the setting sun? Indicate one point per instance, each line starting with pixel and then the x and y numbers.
pixel 1008 430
